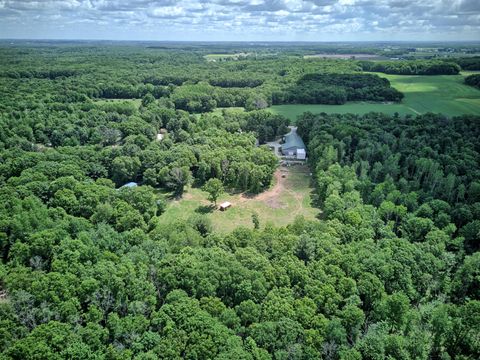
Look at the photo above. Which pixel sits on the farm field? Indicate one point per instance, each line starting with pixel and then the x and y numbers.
pixel 438 93
pixel 288 197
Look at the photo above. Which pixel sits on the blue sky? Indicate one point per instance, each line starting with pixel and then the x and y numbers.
pixel 242 20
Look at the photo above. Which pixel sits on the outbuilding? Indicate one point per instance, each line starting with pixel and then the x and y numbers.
pixel 129 185
pixel 293 145
pixel 225 205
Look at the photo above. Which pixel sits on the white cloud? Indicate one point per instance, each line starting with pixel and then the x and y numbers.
pixel 168 12
pixel 249 19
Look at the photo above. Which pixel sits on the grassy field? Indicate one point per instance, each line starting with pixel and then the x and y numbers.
pixel 293 111
pixel 288 197
pixel 441 94
pixel 219 110
pixel 136 102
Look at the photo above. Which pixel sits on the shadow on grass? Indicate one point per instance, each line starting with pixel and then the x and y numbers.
pixel 205 209
pixel 173 196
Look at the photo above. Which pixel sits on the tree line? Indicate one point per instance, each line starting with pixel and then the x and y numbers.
pixel 473 80
pixel 412 67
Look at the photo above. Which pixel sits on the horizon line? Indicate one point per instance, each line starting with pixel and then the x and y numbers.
pixel 240 41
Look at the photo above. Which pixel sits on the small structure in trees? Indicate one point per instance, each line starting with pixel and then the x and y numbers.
pixel 129 185
pixel 293 145
pixel 225 205
pixel 161 134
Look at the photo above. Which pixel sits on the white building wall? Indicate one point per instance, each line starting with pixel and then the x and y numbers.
pixel 301 154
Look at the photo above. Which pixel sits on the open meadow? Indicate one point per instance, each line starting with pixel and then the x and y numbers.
pixel 288 197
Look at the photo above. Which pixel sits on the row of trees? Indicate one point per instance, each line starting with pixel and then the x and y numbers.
pixel 473 80
pixel 468 63
pixel 412 67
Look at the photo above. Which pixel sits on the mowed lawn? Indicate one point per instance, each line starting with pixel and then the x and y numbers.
pixel 287 198
pixel 445 94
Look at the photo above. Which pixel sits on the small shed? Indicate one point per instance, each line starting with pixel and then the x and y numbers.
pixel 225 205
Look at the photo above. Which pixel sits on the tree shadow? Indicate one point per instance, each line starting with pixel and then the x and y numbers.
pixel 174 196
pixel 205 209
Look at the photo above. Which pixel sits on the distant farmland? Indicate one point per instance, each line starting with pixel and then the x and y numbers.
pixel 441 93
pixel 347 56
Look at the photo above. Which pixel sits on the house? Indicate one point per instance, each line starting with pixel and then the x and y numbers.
pixel 294 145
pixel 225 205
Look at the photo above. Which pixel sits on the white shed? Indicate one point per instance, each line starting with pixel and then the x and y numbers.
pixel 225 205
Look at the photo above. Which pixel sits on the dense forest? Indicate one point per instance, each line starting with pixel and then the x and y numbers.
pixel 389 270
pixel 338 89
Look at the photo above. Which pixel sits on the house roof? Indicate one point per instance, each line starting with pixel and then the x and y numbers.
pixel 293 140
pixel 225 204
pixel 130 184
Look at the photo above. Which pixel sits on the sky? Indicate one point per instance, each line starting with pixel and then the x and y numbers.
pixel 242 20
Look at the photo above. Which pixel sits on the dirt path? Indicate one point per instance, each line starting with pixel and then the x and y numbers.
pixel 271 196
pixel 277 188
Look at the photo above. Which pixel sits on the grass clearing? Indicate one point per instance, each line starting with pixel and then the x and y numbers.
pixel 287 198
pixel 136 102
pixel 220 110
pixel 293 111
pixel 215 57
pixel 445 94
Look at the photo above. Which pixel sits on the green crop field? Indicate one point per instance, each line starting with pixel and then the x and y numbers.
pixel 440 93
pixel 288 197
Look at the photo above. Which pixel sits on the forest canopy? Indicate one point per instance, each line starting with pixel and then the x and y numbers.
pixel 97 141
pixel 337 89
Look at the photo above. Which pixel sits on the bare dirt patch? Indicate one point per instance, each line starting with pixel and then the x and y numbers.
pixel 271 197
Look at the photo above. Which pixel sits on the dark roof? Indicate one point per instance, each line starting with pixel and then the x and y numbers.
pixel 292 139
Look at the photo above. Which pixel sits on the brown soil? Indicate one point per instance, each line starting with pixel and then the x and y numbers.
pixel 271 196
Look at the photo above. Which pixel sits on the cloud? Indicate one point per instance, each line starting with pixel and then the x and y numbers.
pixel 242 19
